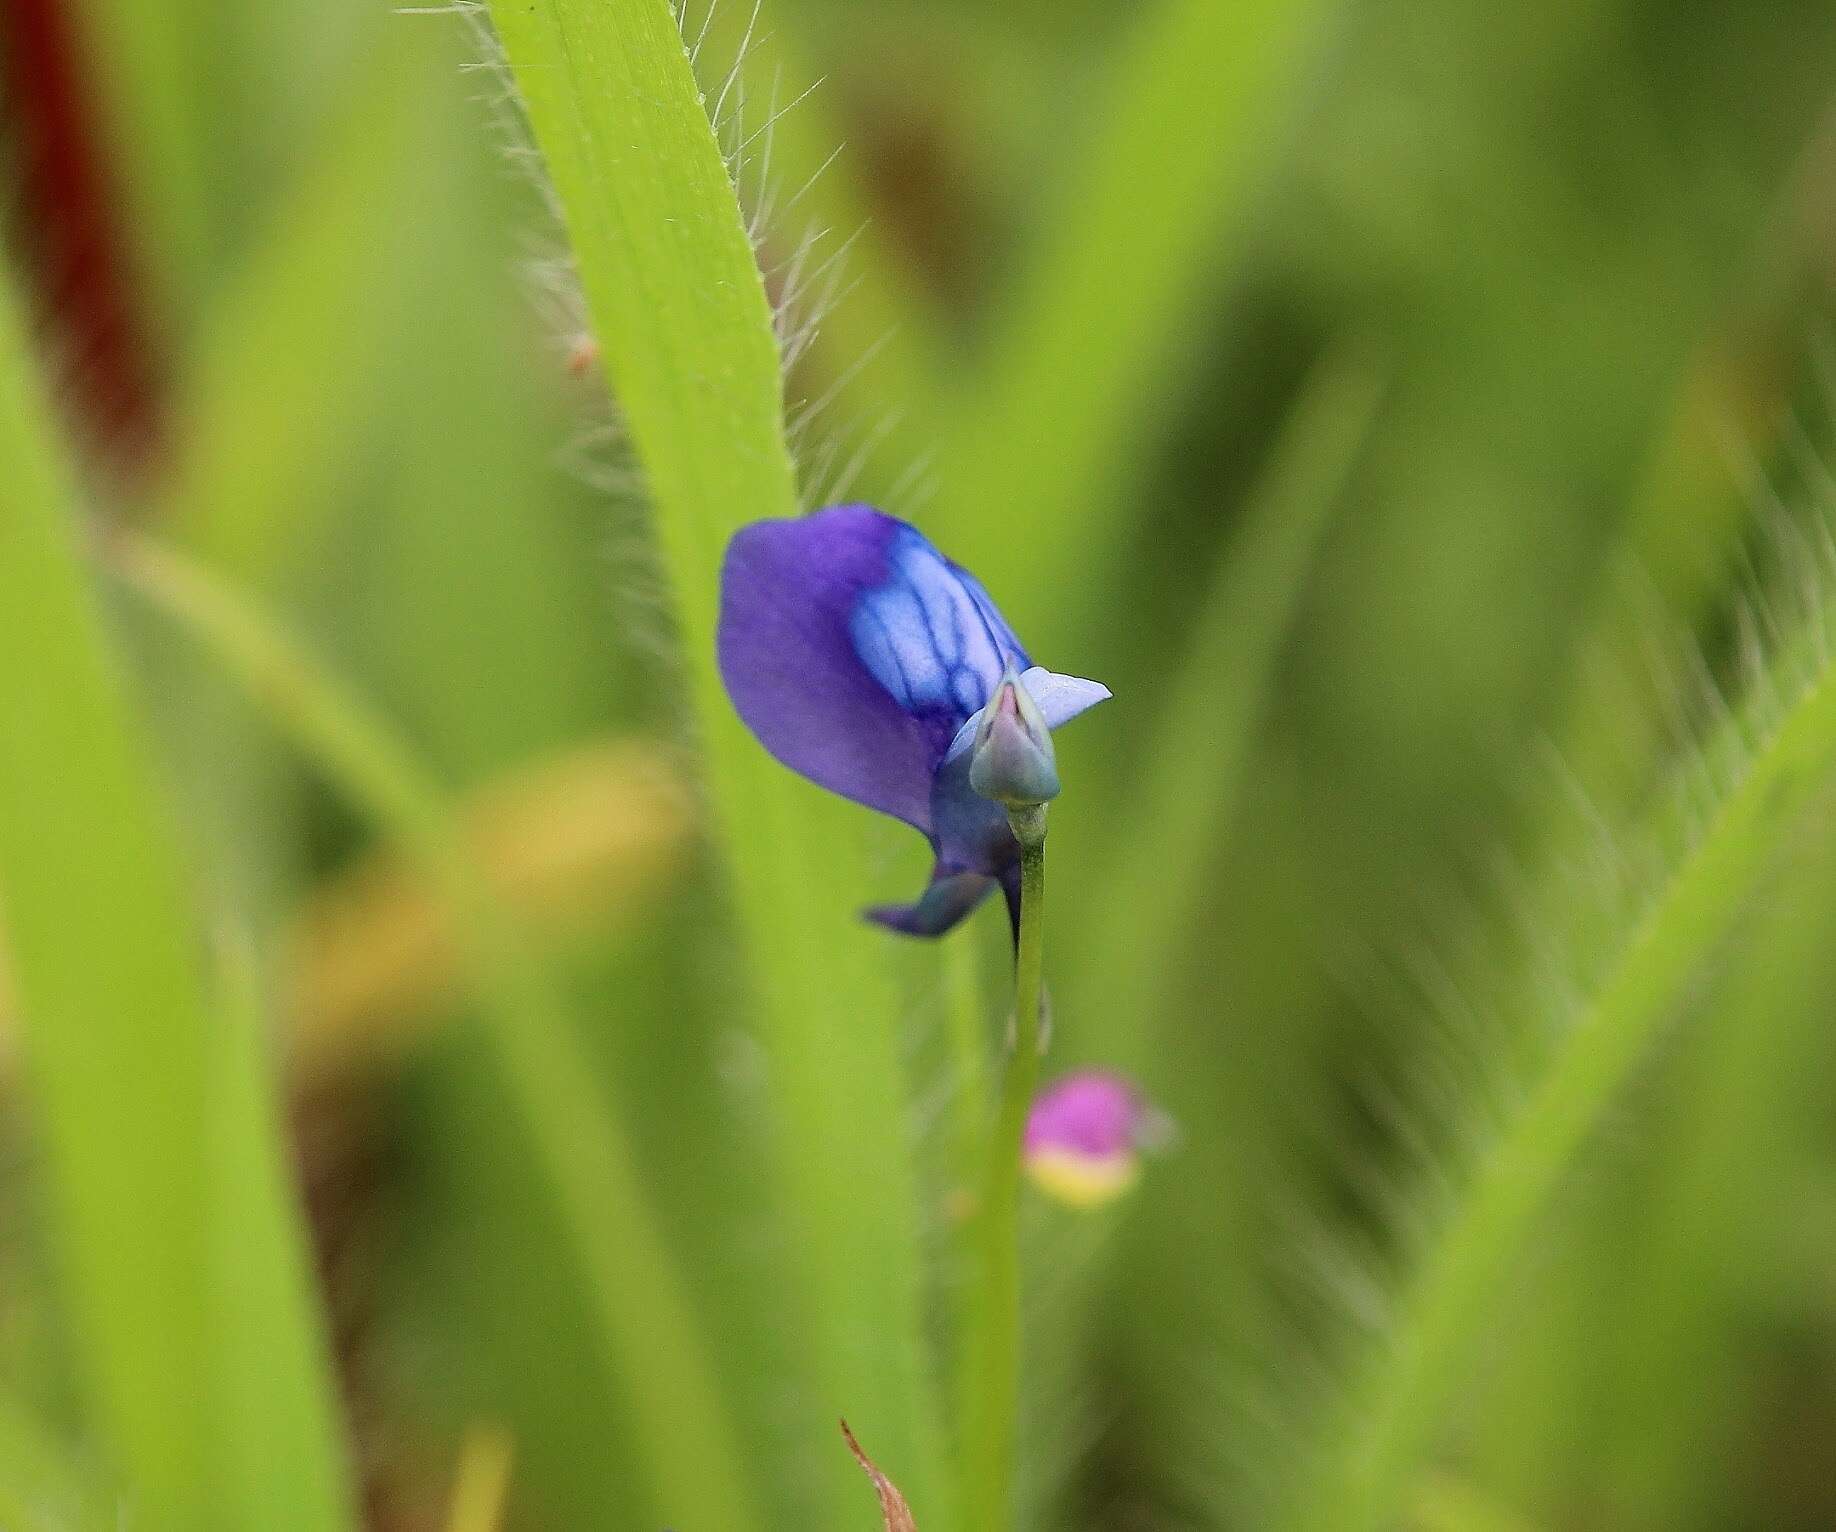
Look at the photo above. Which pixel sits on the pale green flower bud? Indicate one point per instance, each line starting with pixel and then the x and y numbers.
pixel 1012 760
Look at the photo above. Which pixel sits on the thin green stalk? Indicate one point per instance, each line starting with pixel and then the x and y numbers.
pixel 645 1324
pixel 1397 1397
pixel 991 1368
pixel 968 1048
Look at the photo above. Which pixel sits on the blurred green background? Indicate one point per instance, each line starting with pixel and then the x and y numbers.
pixel 1391 402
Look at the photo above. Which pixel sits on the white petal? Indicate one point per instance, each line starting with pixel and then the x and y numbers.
pixel 1060 699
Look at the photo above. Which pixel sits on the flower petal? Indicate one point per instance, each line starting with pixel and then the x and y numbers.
pixel 789 592
pixel 969 831
pixel 1084 1135
pixel 854 650
pixel 946 900
pixel 1062 698
pixel 1090 1111
pixel 930 634
pixel 1082 1180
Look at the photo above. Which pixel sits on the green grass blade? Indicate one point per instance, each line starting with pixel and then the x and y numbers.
pixel 668 269
pixel 119 1055
pixel 1398 1393
pixel 1089 341
pixel 1157 868
pixel 282 1440
pixel 1184 803
pixel 1751 1078
pixel 94 903
pixel 646 1325
pixel 680 311
pixel 315 307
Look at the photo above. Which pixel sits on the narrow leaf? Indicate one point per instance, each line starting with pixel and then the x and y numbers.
pixel 1186 801
pixel 121 1062
pixel 1089 340
pixel 680 311
pixel 1768 766
pixel 645 1324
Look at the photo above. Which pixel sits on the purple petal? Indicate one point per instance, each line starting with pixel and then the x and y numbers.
pixel 854 651
pixel 1090 1113
pixel 1083 1138
pixel 948 899
pixel 789 591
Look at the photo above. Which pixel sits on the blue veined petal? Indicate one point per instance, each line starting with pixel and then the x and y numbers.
pixel 930 634
pixel 853 649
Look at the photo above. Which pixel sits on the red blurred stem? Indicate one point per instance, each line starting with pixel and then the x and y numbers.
pixel 70 226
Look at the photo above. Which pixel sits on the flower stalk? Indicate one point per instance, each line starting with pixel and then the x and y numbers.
pixel 991 1367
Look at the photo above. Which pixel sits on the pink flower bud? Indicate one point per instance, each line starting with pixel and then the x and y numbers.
pixel 1085 1135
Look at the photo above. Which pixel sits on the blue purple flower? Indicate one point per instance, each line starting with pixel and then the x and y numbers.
pixel 862 659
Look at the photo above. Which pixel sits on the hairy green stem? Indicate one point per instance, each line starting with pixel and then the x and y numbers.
pixel 991 1371
pixel 675 296
pixel 1399 1391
